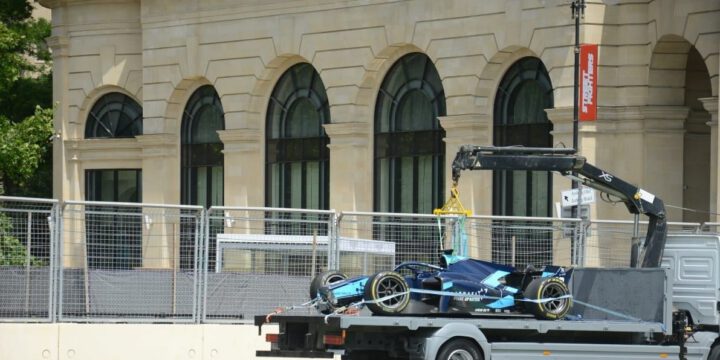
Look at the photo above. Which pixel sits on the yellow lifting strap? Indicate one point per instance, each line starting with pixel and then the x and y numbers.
pixel 453 206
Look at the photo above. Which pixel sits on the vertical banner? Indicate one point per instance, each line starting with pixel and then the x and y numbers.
pixel 588 82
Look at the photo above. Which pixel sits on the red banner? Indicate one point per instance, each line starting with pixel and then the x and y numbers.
pixel 588 82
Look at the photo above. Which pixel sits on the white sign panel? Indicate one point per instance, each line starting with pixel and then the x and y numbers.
pixel 570 197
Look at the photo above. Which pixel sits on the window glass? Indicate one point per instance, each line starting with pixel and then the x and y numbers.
pixel 409 148
pixel 520 119
pixel 113 234
pixel 202 180
pixel 297 168
pixel 114 115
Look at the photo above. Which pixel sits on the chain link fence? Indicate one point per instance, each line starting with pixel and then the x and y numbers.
pixel 262 258
pixel 124 262
pixel 129 262
pixel 27 258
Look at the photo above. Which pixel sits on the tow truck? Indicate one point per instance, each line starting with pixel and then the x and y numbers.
pixel 665 306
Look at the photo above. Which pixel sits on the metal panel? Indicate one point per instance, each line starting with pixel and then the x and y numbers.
pixel 125 262
pixel 529 351
pixel 266 259
pixel 694 260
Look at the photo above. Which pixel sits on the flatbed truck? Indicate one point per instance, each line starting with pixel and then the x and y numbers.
pixel 666 307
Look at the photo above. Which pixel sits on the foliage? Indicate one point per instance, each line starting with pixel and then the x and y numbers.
pixel 22 145
pixel 25 84
pixel 12 251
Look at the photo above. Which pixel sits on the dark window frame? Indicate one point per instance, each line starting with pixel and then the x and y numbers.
pixel 195 155
pixel 285 149
pixel 392 142
pixel 99 125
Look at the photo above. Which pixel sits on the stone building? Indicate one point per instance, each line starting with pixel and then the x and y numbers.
pixel 361 104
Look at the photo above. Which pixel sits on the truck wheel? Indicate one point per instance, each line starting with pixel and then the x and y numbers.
pixel 323 279
pixel 460 349
pixel 548 288
pixel 387 292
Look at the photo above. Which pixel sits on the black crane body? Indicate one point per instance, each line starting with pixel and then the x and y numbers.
pixel 568 163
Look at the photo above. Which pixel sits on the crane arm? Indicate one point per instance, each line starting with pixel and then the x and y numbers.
pixel 567 163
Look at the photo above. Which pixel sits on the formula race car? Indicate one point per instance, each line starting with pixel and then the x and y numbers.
pixel 458 285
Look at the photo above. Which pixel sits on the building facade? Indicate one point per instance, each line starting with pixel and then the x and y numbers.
pixel 360 105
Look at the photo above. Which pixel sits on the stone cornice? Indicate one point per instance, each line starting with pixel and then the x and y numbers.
pixel 643 119
pixel 103 149
pixel 711 105
pixel 240 140
pixel 60 44
pixel 467 129
pixel 158 145
pixel 348 134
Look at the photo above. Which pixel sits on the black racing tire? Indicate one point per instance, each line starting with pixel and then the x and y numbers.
pixel 548 288
pixel 323 279
pixel 714 353
pixel 382 285
pixel 460 349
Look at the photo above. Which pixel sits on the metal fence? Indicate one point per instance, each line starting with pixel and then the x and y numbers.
pixel 27 258
pixel 123 262
pixel 129 262
pixel 262 258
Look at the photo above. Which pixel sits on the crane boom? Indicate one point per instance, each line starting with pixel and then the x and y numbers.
pixel 568 163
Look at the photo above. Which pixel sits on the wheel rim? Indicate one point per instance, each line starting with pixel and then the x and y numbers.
pixel 460 354
pixel 388 287
pixel 334 278
pixel 554 291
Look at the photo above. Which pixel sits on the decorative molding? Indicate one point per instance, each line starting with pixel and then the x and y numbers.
pixel 711 105
pixel 349 134
pixel 60 45
pixel 240 140
pixel 467 129
pixel 103 149
pixel 158 145
pixel 623 119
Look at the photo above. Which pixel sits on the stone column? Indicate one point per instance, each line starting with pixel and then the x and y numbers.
pixel 474 187
pixel 711 105
pixel 160 185
pixel 351 166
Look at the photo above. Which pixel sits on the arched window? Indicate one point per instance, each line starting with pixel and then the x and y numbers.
pixel 202 158
pixel 114 115
pixel 409 148
pixel 520 119
pixel 297 156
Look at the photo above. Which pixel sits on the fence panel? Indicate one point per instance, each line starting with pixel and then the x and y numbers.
pixel 262 258
pixel 608 243
pixel 372 242
pixel 523 241
pixel 124 262
pixel 27 258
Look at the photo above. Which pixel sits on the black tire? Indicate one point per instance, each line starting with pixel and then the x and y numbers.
pixel 460 349
pixel 382 285
pixel 323 279
pixel 548 288
pixel 714 353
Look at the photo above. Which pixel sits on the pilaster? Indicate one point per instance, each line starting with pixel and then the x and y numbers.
pixel 351 166
pixel 474 187
pixel 243 151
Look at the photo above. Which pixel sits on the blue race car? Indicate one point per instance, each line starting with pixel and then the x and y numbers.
pixel 458 285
